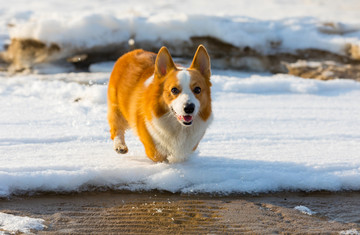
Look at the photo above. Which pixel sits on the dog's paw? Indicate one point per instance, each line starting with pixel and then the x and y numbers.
pixel 121 150
pixel 119 147
pixel 176 159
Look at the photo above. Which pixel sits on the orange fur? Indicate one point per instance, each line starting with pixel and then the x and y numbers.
pixel 134 101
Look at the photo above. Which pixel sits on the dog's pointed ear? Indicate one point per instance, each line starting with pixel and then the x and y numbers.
pixel 164 62
pixel 201 62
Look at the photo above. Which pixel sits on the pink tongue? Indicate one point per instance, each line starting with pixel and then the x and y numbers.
pixel 187 118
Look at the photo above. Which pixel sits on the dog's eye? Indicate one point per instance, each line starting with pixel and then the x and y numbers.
pixel 197 90
pixel 175 91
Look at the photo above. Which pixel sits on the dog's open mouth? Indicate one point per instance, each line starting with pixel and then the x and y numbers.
pixel 184 119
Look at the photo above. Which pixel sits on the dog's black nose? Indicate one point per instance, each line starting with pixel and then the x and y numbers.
pixel 189 108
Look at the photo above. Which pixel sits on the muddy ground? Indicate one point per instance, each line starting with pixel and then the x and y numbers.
pixel 160 213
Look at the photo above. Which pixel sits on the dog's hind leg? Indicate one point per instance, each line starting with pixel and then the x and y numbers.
pixel 118 126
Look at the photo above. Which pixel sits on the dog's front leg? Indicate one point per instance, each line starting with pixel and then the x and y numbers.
pixel 148 142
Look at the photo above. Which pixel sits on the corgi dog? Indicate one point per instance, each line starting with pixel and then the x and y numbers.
pixel 168 107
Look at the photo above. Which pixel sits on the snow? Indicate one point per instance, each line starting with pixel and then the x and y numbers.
pixel 270 26
pixel 305 210
pixel 349 232
pixel 270 133
pixel 15 224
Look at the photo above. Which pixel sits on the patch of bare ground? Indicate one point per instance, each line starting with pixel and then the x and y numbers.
pixel 324 70
pixel 24 54
pixel 164 213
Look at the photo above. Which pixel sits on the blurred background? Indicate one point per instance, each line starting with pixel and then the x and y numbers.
pixel 308 38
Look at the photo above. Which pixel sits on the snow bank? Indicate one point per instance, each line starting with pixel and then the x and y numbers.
pixel 270 133
pixel 267 37
pixel 15 224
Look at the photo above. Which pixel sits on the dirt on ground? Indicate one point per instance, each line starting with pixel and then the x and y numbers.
pixel 28 55
pixel 165 213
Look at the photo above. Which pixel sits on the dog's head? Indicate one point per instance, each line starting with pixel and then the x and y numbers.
pixel 186 91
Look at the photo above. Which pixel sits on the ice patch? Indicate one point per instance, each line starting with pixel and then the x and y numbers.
pixel 305 210
pixel 16 224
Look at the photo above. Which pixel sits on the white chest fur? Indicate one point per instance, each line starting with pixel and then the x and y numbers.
pixel 175 140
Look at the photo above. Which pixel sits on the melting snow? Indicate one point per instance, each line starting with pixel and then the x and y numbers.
pixel 23 224
pixel 305 210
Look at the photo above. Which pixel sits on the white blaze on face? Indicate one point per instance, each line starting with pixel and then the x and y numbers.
pixel 186 96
